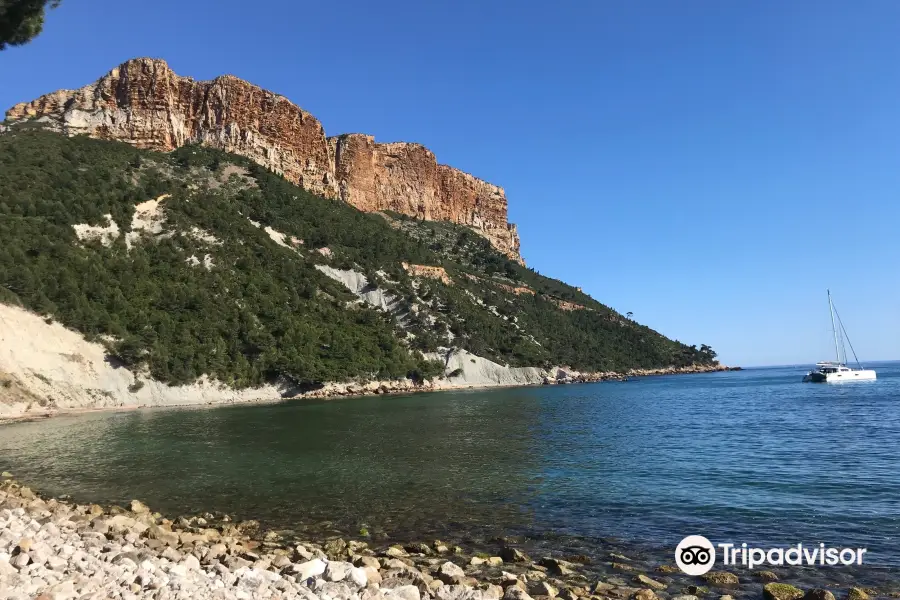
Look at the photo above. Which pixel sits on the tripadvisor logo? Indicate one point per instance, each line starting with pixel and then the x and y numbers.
pixel 695 555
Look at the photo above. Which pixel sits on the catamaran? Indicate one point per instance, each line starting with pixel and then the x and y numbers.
pixel 837 371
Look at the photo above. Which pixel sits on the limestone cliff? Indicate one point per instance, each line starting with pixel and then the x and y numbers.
pixel 144 103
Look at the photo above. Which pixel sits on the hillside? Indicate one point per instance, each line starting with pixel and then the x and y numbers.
pixel 201 263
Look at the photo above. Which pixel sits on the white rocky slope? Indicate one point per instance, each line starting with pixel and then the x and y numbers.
pixel 46 366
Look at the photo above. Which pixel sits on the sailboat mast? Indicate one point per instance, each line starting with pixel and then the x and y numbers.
pixel 837 352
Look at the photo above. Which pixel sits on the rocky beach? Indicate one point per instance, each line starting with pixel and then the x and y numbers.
pixel 55 549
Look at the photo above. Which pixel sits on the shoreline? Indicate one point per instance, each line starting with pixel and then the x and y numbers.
pixel 57 547
pixel 375 388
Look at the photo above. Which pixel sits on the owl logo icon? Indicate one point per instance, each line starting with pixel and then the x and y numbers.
pixel 695 555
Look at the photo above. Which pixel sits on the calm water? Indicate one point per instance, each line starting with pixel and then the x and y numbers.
pixel 754 456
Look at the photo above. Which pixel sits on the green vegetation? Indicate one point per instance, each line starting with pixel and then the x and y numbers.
pixel 591 337
pixel 263 311
pixel 22 20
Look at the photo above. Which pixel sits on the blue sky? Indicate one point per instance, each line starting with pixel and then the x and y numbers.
pixel 710 166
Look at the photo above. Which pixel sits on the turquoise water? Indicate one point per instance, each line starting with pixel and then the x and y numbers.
pixel 752 456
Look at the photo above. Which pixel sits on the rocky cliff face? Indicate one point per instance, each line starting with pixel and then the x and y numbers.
pixel 143 102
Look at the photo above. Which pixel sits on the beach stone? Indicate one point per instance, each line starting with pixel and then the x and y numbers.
pixel 644 594
pixel 403 592
pixel 856 593
pixel 337 590
pixel 781 591
pixel 359 577
pixel 179 570
pixel 399 563
pixel 667 569
pixel 767 576
pixel 650 583
pixel 303 553
pixel 56 563
pixel 20 561
pixel 312 568
pixel 515 593
pixel 281 561
pixel 492 592
pixel 818 594
pixel 451 573
pixel 6 475
pixel 602 587
pixel 65 590
pixel 513 555
pixel 458 592
pixel 215 551
pixel 721 578
pixel 162 535
pixel 418 548
pixel 621 566
pixel 337 570
pixel 686 597
pixel 697 590
pixel 620 591
pixel 370 593
pixel 171 554
pixel 393 578
pixel 139 507
pixel 336 549
pixel 395 552
pixel 476 561
pixel 367 561
pixel 556 566
pixel 372 575
pixel 6 569
pixel 542 588
pixel 726 597
pixel 191 562
pixel 494 561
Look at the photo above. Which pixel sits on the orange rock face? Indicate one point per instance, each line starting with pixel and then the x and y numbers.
pixel 143 102
pixel 428 271
pixel 407 178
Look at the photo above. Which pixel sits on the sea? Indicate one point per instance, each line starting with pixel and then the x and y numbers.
pixel 754 457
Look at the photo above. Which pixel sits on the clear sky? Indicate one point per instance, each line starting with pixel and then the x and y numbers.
pixel 709 166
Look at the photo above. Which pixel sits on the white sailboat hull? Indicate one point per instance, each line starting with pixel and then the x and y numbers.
pixel 854 375
pixel 841 376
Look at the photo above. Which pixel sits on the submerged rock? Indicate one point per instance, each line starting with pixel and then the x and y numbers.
pixel 721 578
pixel 781 591
pixel 650 583
pixel 818 594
